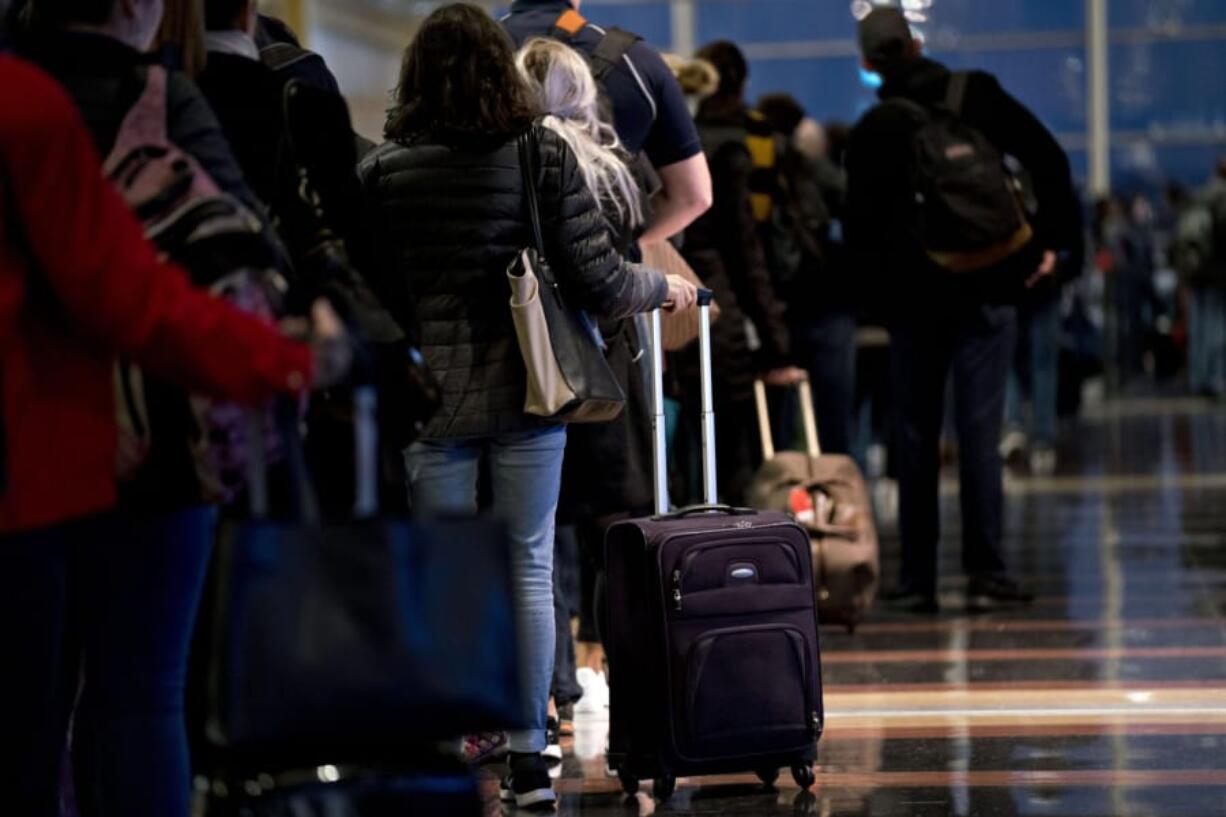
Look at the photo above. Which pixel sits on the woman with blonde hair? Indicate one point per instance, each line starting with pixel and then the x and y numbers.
pixel 563 88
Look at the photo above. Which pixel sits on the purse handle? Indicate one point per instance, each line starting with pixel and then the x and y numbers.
pixel 528 148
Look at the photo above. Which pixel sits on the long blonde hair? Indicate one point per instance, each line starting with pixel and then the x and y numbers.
pixel 563 86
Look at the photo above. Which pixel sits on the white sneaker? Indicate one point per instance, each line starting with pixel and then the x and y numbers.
pixel 1013 446
pixel 595 700
pixel 1043 462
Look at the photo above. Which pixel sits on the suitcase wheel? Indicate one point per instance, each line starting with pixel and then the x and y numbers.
pixel 804 776
pixel 630 784
pixel 768 777
pixel 664 786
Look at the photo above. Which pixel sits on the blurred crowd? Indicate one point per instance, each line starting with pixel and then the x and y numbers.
pixel 206 274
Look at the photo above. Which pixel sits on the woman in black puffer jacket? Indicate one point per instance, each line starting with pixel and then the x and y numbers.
pixel 446 199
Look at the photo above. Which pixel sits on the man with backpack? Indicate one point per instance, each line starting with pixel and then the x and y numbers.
pixel 936 217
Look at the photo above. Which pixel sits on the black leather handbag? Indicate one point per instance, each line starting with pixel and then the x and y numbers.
pixel 339 642
pixel 569 379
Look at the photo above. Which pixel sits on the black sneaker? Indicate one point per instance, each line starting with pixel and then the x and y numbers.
pixel 984 593
pixel 528 785
pixel 553 740
pixel 905 600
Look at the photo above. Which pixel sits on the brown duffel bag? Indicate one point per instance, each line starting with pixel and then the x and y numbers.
pixel 827 495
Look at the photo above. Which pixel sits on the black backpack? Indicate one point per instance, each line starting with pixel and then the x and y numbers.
pixel 613 45
pixel 968 213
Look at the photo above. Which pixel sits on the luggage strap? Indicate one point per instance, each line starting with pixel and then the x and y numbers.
pixel 613 45
pixel 955 94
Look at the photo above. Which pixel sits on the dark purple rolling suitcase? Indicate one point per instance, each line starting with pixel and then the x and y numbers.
pixel 712 631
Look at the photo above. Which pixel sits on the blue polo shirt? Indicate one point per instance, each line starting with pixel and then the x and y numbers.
pixel 649 110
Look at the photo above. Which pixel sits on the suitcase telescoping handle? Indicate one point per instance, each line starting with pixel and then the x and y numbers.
pixel 658 426
pixel 808 419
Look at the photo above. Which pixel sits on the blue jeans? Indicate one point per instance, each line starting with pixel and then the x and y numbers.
pixel 526 475
pixel 109 602
pixel 1035 373
pixel 978 348
pixel 1207 340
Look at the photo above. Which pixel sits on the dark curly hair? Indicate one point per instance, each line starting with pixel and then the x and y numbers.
pixel 459 79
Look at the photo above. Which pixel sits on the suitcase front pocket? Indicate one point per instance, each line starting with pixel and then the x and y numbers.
pixel 748 691
pixel 731 565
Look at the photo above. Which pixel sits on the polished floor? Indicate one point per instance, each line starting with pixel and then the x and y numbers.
pixel 1106 698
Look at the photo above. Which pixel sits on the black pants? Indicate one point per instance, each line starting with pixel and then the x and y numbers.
pixel 565 688
pixel 738 449
pixel 111 602
pixel 978 347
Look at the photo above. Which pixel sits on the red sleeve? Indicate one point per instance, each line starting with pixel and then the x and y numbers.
pixel 106 275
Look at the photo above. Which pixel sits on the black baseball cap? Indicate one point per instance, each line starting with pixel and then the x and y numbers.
pixel 885 36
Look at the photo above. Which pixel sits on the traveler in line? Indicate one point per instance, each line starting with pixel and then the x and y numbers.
pixel 1199 254
pixel 941 319
pixel 751 338
pixel 446 193
pixel 562 85
pixel 84 594
pixel 641 99
pixel 822 300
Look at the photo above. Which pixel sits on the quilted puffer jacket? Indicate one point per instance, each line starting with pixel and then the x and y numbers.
pixel 450 217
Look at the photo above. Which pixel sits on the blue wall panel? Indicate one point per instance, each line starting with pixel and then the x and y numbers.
pixel 1051 82
pixel 997 16
pixel 652 21
pixel 1174 83
pixel 1165 13
pixel 774 21
pixel 830 89
pixel 1033 46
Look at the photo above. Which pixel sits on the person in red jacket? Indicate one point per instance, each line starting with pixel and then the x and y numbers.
pixel 79 285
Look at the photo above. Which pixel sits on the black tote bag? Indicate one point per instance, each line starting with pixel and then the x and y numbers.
pixel 337 641
pixel 569 379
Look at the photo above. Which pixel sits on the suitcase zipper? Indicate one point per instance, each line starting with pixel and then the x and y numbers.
pixel 676 589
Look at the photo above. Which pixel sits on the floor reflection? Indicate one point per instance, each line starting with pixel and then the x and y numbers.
pixel 1107 698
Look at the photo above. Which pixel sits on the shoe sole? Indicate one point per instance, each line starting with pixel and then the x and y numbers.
pixel 553 752
pixel 535 799
pixel 987 604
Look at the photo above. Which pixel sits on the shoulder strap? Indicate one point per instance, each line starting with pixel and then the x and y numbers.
pixel 613 45
pixel 528 148
pixel 955 94
pixel 145 122
pixel 610 50
pixel 279 56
